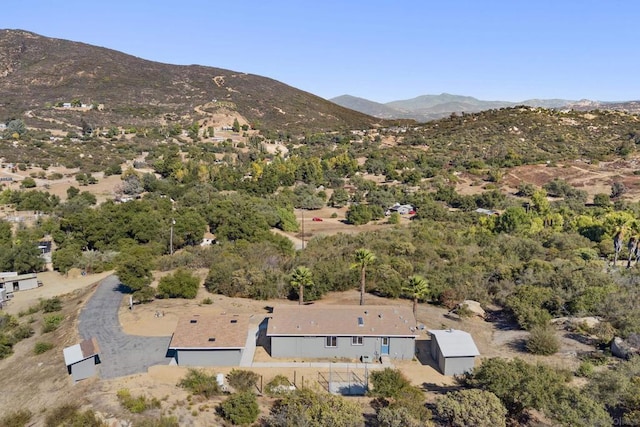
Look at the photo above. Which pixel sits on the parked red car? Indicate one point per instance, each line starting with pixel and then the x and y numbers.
pixel 316 219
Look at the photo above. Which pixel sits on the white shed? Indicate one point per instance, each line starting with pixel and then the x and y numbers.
pixel 454 350
pixel 81 359
pixel 12 281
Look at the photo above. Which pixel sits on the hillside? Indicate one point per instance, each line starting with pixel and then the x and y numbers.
pixel 38 72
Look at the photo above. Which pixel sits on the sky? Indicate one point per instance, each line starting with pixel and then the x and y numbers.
pixel 381 50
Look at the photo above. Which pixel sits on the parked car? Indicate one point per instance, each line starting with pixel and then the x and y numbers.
pixel 316 219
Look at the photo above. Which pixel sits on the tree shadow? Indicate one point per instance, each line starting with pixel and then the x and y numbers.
pixel 518 344
pixel 502 320
pixel 582 339
pixel 440 389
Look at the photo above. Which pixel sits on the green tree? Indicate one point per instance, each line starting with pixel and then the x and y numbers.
pixel 133 267
pixel 364 258
pixel 236 125
pixel 471 408
pixel 358 214
pixel 28 182
pixel 300 279
pixel 180 284
pixel 240 408
pixel 417 288
pixel 339 198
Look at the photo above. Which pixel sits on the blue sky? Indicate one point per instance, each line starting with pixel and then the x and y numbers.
pixel 508 50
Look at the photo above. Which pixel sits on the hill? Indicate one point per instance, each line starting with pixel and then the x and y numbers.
pixel 431 107
pixel 40 72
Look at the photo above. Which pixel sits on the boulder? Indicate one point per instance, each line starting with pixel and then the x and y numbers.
pixel 625 349
pixel 474 307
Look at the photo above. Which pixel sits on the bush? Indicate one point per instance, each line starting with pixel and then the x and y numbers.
pixel 388 383
pixel 22 332
pixel 181 284
pixel 69 415
pixel 585 369
pixel 240 408
pixel 51 322
pixel 242 380
pixel 471 408
pixel 158 422
pixel 136 404
pixel 207 301
pixel 198 382
pixel 51 305
pixel 280 384
pixel 42 347
pixel 543 341
pixel 16 418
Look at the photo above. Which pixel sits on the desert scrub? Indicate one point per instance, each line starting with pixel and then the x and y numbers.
pixel 198 382
pixel 51 322
pixel 16 419
pixel 242 380
pixel 136 404
pixel 278 385
pixel 42 347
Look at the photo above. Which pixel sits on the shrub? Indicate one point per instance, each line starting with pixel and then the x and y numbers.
pixel 158 422
pixel 16 418
pixel 207 301
pixel 543 341
pixel 69 415
pixel 388 382
pixel 51 305
pixel 22 332
pixel 42 347
pixel 136 404
pixel 585 369
pixel 278 385
pixel 471 408
pixel 242 380
pixel 240 408
pixel 181 284
pixel 198 382
pixel 51 322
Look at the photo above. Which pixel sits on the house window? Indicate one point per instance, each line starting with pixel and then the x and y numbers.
pixel 331 342
pixel 356 341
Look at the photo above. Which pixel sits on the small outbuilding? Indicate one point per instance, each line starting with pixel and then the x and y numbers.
pixel 12 281
pixel 81 359
pixel 453 350
pixel 210 340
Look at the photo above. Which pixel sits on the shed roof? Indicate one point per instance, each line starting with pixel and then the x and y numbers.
pixel 342 320
pixel 79 352
pixel 455 343
pixel 211 331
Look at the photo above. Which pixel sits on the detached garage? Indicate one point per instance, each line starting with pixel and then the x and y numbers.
pixel 453 350
pixel 210 340
pixel 81 359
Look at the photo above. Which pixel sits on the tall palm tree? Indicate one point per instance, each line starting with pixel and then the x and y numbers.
pixel 364 258
pixel 300 279
pixel 417 288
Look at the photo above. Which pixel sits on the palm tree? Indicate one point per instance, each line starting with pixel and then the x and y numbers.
pixel 300 279
pixel 364 257
pixel 417 288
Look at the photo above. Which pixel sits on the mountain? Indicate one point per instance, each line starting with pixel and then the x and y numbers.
pixel 38 72
pixel 430 107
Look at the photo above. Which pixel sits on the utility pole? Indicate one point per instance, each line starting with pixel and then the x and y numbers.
pixel 173 222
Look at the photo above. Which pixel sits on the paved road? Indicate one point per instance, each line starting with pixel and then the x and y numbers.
pixel 120 354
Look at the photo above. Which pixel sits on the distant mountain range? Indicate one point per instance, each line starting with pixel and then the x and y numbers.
pixel 431 107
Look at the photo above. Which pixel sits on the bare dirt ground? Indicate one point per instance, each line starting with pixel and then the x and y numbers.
pixel 592 178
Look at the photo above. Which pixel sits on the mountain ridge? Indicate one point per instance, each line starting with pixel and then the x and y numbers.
pixel 431 107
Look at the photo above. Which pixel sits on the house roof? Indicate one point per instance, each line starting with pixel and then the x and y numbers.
pixel 342 320
pixel 79 352
pixel 210 331
pixel 455 343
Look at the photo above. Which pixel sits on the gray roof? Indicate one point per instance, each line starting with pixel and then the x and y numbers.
pixel 342 320
pixel 455 343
